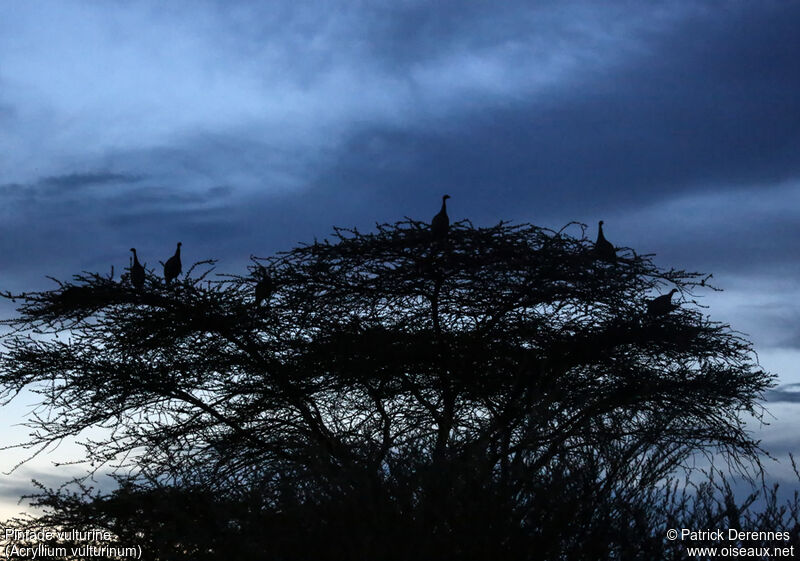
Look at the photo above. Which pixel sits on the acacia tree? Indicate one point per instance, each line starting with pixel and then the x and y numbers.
pixel 501 392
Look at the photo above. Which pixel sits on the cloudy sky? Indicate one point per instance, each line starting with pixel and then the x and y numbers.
pixel 244 127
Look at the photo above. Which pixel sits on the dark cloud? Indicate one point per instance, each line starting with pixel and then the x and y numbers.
pixel 61 186
pixel 14 485
pixel 58 226
pixel 401 35
pixel 78 180
pixel 788 393
pixel 745 232
pixel 710 105
pixel 20 484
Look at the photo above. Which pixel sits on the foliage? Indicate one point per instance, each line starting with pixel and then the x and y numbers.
pixel 504 392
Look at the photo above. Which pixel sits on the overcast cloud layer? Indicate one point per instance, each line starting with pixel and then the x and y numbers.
pixel 238 127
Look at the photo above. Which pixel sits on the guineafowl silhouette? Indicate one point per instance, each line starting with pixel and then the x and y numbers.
pixel 137 272
pixel 603 248
pixel 441 222
pixel 172 268
pixel 661 305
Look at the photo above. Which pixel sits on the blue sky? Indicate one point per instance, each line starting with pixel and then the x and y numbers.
pixel 246 127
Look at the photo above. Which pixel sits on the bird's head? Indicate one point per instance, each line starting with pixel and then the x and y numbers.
pixel 179 244
pixel 673 291
pixel 600 223
pixel 133 249
pixel 445 197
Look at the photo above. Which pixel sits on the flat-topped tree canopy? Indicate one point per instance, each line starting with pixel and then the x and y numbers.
pixel 425 379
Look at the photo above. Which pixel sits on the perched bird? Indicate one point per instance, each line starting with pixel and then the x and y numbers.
pixel 264 287
pixel 137 272
pixel 441 222
pixel 603 248
pixel 661 305
pixel 172 268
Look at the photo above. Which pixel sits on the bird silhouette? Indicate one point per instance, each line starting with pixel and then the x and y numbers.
pixel 603 248
pixel 264 286
pixel 661 305
pixel 137 272
pixel 441 222
pixel 172 268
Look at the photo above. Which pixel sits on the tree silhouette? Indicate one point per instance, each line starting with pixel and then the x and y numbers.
pixel 504 393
